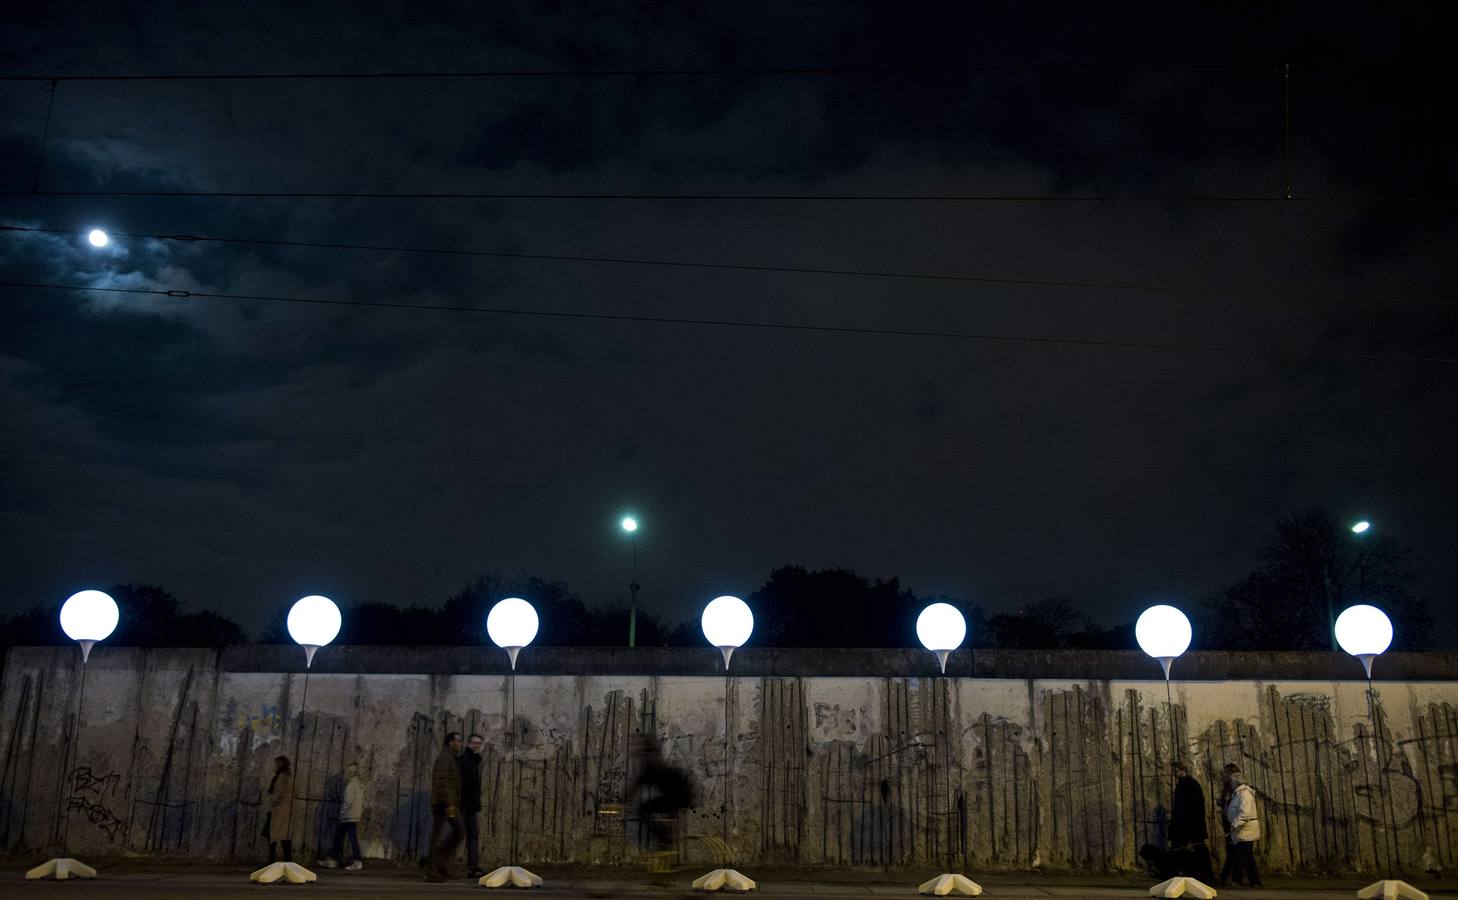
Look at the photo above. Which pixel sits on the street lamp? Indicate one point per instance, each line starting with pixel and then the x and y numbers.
pixel 727 623
pixel 1164 633
pixel 941 628
pixel 98 238
pixel 1361 527
pixel 86 617
pixel 313 622
pixel 1365 632
pixel 511 625
pixel 630 525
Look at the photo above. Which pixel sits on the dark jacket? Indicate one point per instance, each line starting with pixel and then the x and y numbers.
pixel 445 780
pixel 1187 814
pixel 470 782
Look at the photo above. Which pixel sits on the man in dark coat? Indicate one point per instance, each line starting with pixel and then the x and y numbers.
pixel 1189 835
pixel 471 802
pixel 445 809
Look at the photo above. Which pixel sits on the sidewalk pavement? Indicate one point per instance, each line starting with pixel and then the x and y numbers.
pixel 127 879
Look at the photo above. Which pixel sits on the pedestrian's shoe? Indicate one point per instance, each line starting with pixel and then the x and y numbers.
pixel 475 873
pixel 325 863
pixel 354 866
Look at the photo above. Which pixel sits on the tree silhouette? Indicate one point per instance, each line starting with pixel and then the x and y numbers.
pixel 1313 567
pixel 1052 624
pixel 797 607
pixel 564 619
pixel 150 617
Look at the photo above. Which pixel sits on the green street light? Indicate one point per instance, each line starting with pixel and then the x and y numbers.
pixel 630 525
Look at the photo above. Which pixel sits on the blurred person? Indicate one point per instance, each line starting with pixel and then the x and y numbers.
pixel 1245 830
pixel 470 764
pixel 445 811
pixel 351 811
pixel 280 811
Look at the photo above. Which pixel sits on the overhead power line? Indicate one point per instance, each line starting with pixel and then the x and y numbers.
pixel 785 197
pixel 746 267
pixel 729 323
pixel 647 72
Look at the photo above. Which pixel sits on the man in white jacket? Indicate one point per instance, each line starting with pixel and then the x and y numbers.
pixel 351 811
pixel 1245 829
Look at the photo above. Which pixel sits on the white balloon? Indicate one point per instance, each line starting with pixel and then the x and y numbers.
pixel 941 626
pixel 89 616
pixel 1163 632
pixel 1364 630
pixel 314 621
pixel 727 622
pixel 512 623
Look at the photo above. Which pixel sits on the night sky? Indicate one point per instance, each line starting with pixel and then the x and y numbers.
pixel 1146 355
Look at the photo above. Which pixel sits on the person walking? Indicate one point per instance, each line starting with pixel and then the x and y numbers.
pixel 280 810
pixel 471 803
pixel 1226 789
pixel 1189 836
pixel 666 791
pixel 445 811
pixel 351 811
pixel 1245 830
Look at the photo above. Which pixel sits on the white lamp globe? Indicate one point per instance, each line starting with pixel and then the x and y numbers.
pixel 511 624
pixel 97 237
pixel 941 629
pixel 314 621
pixel 630 524
pixel 88 617
pixel 1364 631
pixel 727 624
pixel 1164 633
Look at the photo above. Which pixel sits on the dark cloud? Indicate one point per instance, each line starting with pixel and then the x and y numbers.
pixel 242 453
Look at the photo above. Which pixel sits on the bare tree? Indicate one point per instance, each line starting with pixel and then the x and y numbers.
pixel 1313 567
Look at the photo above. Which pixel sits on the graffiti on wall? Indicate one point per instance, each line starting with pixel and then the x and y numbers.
pixel 89 794
pixel 872 771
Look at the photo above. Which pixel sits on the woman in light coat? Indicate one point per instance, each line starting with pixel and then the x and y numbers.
pixel 351 811
pixel 1245 830
pixel 280 810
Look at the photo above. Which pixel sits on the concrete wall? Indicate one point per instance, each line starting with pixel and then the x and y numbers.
pixel 837 757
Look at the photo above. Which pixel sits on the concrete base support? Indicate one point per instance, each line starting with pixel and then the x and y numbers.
pixel 1391 889
pixel 942 885
pixel 291 872
pixel 724 879
pixel 1182 886
pixel 62 868
pixel 510 876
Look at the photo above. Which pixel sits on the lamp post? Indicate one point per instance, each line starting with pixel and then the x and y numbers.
pixel 727 623
pixel 1365 632
pixel 313 622
pixel 1360 529
pixel 630 525
pixel 941 628
pixel 512 624
pixel 1164 633
pixel 86 617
